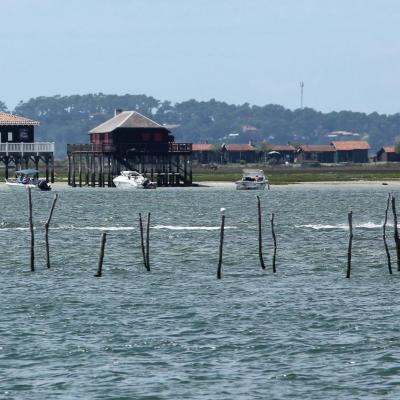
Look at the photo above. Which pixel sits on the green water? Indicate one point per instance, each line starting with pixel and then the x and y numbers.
pixel 179 333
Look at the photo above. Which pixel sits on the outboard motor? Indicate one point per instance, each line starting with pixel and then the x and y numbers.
pixel 43 185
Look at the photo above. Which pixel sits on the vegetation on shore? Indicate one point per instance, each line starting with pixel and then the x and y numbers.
pixel 284 175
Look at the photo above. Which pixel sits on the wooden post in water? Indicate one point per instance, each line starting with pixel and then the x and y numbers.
pixel 101 255
pixel 260 251
pixel 350 218
pixel 396 232
pixel 32 253
pixel 221 244
pixel 142 242
pixel 274 240
pixel 46 228
pixel 148 242
pixel 384 235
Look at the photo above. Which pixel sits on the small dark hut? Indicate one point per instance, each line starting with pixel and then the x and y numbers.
pixel 239 153
pixel 354 151
pixel 388 154
pixel 18 149
pixel 129 141
pixel 323 153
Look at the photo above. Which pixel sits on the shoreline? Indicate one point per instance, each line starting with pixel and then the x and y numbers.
pixel 231 185
pixel 223 184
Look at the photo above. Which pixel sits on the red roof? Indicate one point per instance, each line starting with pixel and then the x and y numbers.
pixel 389 149
pixel 317 148
pixel 239 147
pixel 351 145
pixel 202 147
pixel 11 119
pixel 283 148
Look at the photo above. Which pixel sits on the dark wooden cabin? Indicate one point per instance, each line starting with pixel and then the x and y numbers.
pixel 129 141
pixel 353 151
pixel 323 153
pixel 233 153
pixel 388 154
pixel 18 149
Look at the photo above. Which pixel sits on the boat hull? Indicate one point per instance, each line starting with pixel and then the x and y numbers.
pixel 250 185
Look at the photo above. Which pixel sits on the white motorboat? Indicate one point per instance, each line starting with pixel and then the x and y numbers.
pixel 133 180
pixel 252 179
pixel 25 178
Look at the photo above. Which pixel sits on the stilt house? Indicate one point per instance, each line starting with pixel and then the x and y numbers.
pixel 18 149
pixel 129 141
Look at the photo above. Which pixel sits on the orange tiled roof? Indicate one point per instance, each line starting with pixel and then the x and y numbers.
pixel 389 149
pixel 239 147
pixel 283 148
pixel 11 119
pixel 351 145
pixel 202 147
pixel 317 148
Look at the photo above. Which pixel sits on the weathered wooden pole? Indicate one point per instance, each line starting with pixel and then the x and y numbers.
pixel 101 255
pixel 31 229
pixel 148 242
pixel 46 228
pixel 384 235
pixel 142 242
pixel 350 218
pixel 221 244
pixel 274 240
pixel 260 250
pixel 396 232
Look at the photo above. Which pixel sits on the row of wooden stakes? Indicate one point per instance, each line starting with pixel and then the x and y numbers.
pixel 145 242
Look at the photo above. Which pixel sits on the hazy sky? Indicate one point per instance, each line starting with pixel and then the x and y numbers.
pixel 347 52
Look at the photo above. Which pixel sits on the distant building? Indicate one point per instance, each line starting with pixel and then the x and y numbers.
pixel 287 153
pixel 232 153
pixel 204 153
pixel 129 141
pixel 388 153
pixel 18 149
pixel 355 151
pixel 323 153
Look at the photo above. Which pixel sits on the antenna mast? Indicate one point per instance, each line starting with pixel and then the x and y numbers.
pixel 301 94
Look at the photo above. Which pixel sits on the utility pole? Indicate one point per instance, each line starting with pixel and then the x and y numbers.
pixel 301 94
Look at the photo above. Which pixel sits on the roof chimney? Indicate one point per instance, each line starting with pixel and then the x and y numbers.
pixel 117 111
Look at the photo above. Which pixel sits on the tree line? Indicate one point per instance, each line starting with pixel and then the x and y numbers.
pixel 67 119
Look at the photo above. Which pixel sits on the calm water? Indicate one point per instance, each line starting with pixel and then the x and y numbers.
pixel 179 333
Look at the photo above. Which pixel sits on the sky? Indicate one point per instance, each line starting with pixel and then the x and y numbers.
pixel 347 52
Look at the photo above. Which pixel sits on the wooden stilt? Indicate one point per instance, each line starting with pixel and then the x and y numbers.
pixel 350 218
pixel 32 241
pixel 221 244
pixel 384 235
pixel 46 227
pixel 260 249
pixel 101 255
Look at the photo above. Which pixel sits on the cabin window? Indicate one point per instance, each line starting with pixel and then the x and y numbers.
pixel 158 137
pixel 23 134
pixel 145 136
pixel 10 137
pixel 106 139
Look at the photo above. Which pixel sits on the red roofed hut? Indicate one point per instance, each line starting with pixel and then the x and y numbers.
pixel 287 152
pixel 388 153
pixel 355 151
pixel 204 153
pixel 239 152
pixel 323 153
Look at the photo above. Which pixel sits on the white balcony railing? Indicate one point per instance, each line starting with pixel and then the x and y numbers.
pixel 32 148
